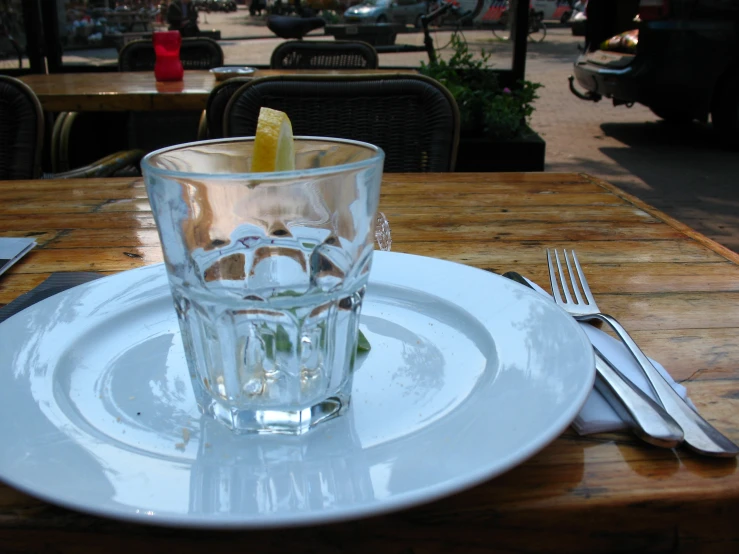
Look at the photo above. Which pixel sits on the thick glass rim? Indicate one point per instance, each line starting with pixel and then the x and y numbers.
pixel 146 165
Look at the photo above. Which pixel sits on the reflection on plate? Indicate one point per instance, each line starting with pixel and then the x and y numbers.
pixel 469 375
pixel 223 73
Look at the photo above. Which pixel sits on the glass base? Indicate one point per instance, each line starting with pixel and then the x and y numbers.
pixel 283 422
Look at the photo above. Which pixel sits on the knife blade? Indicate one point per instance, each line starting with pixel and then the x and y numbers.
pixel 647 419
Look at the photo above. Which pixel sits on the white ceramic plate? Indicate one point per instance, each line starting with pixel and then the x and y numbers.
pixel 469 375
pixel 223 73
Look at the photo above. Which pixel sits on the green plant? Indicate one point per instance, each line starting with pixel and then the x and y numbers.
pixel 485 107
pixel 330 16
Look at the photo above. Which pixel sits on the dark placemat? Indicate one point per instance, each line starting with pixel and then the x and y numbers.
pixel 56 283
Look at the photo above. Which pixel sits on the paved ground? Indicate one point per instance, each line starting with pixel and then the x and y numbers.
pixel 680 170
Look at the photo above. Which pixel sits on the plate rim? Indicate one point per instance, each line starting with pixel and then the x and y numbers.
pixel 405 500
pixel 235 69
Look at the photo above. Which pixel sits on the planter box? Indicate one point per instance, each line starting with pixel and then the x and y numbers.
pixel 376 34
pixel 486 155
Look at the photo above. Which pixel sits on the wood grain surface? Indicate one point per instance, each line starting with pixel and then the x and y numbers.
pixel 139 90
pixel 675 289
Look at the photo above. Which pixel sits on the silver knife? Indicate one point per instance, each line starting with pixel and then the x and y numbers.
pixel 647 419
pixel 699 435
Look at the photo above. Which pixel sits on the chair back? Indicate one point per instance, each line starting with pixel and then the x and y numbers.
pixel 413 118
pixel 195 53
pixel 217 101
pixel 151 131
pixel 21 130
pixel 339 54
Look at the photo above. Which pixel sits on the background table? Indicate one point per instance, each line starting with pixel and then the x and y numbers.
pixel 139 90
pixel 676 290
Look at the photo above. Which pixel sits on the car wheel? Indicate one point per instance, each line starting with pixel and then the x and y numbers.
pixel 565 18
pixel 382 19
pixel 725 111
pixel 672 115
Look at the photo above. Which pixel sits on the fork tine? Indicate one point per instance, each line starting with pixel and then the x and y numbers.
pixel 573 279
pixel 553 278
pixel 583 281
pixel 562 277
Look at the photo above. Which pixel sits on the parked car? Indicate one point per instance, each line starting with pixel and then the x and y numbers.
pixel 685 65
pixel 552 10
pixel 547 10
pixel 406 12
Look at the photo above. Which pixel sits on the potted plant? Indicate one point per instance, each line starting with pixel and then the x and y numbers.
pixel 495 135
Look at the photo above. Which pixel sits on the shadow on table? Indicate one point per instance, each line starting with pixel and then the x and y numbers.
pixel 683 170
pixel 710 468
pixel 689 172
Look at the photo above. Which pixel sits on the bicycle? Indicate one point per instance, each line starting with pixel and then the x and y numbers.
pixel 460 12
pixel 537 30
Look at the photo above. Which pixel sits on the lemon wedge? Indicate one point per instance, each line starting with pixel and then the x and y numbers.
pixel 273 145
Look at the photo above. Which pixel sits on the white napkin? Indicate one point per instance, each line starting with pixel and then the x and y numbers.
pixel 597 416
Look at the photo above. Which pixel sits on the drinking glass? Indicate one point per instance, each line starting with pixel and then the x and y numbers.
pixel 267 272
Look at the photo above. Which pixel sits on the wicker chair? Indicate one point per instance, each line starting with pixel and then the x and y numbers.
pixel 217 101
pixel 21 130
pixel 195 53
pixel 339 54
pixel 413 118
pixel 148 130
pixel 22 138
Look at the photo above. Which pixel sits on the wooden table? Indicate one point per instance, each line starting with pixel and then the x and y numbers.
pixel 676 290
pixel 139 91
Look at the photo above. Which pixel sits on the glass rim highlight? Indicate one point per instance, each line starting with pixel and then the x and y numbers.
pixel 146 162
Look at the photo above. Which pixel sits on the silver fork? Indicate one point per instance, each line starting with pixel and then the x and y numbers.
pixel 699 435
pixel 647 419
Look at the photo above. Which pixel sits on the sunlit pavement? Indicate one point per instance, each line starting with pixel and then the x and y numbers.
pixel 682 170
